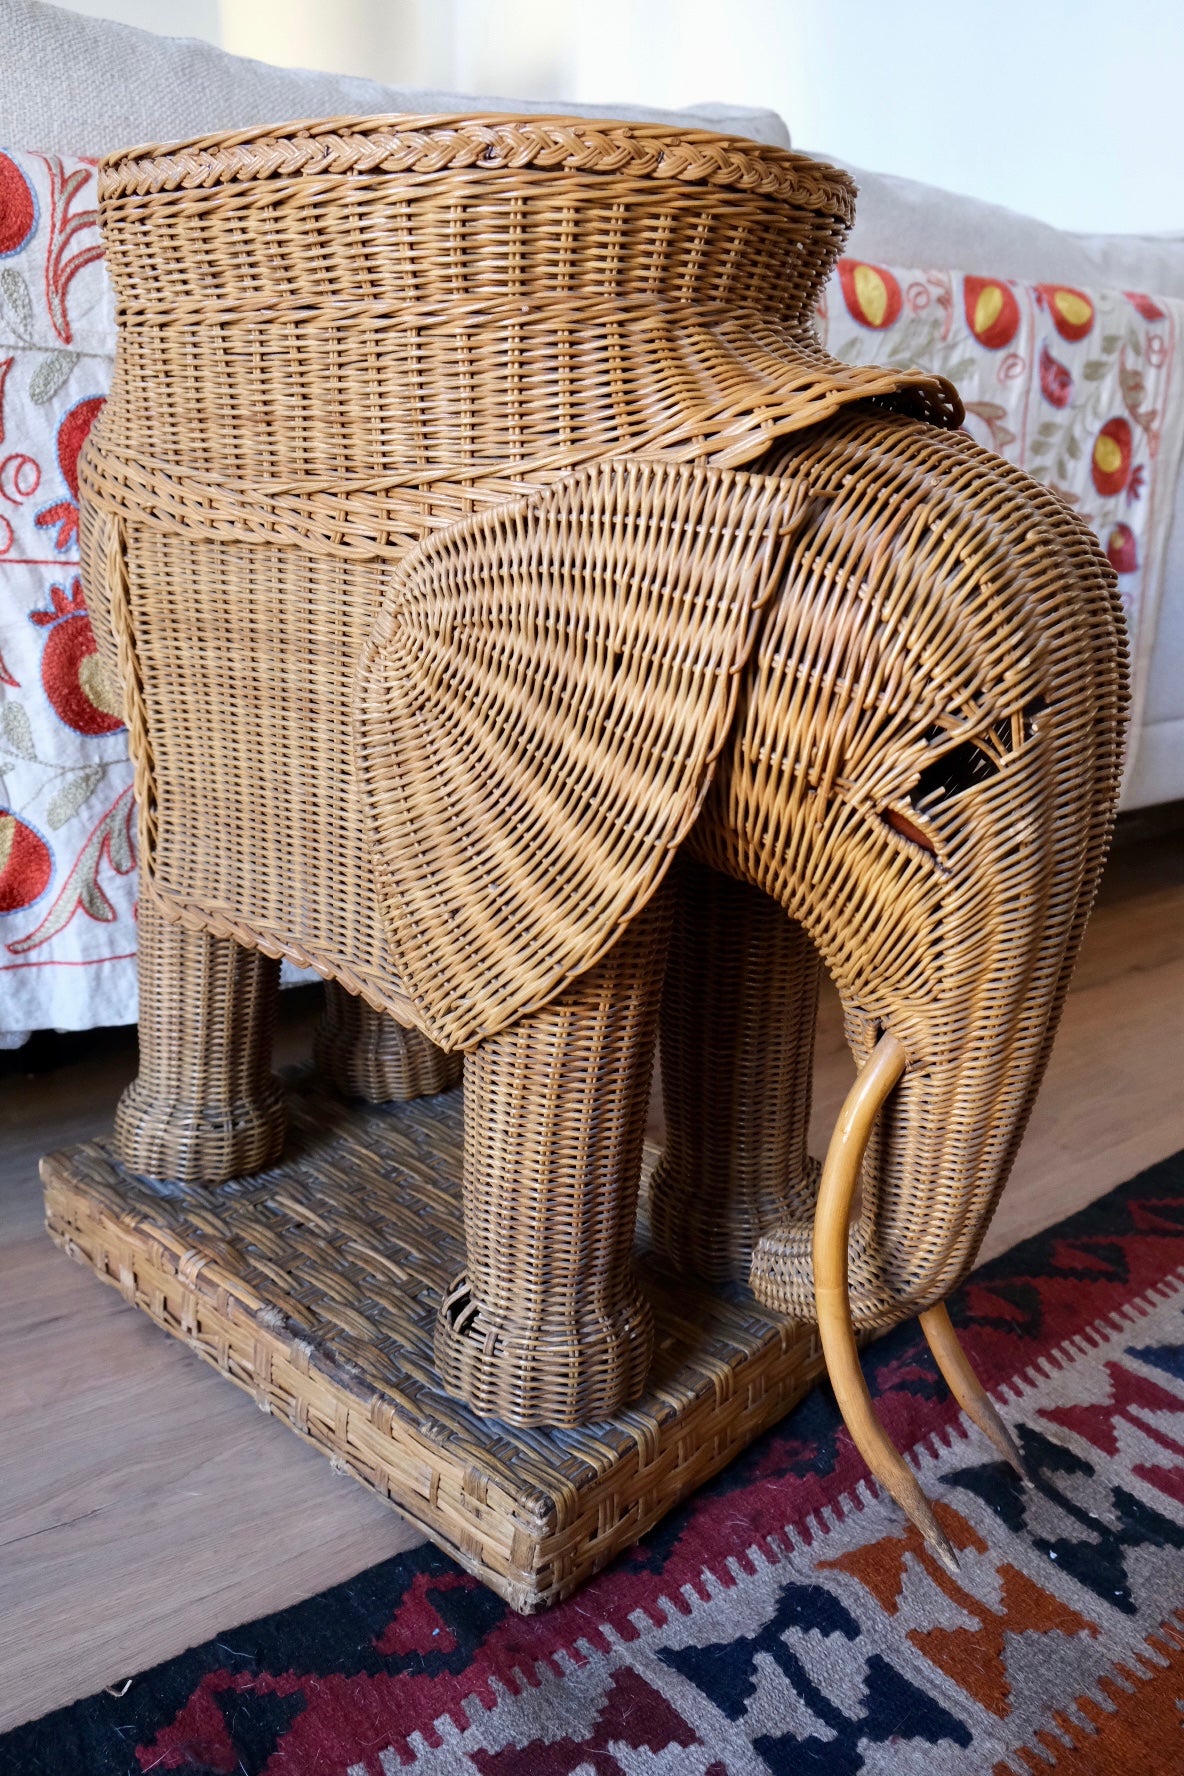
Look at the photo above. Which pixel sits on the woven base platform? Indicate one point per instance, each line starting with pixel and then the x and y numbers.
pixel 314 1287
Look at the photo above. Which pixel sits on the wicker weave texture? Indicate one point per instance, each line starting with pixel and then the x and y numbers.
pixel 924 771
pixel 547 1324
pixel 205 1103
pixel 364 1053
pixel 737 1043
pixel 543 698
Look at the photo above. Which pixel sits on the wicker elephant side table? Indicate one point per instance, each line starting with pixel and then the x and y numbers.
pixel 522 621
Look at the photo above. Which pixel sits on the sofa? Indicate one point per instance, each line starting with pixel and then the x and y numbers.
pixel 927 278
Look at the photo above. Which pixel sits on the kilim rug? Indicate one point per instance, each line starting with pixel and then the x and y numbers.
pixel 787 1619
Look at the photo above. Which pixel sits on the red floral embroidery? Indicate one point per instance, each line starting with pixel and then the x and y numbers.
pixel 65 259
pixel 1110 465
pixel 871 293
pixel 992 312
pixel 111 841
pixel 1056 383
pixel 1071 311
pixel 18 207
pixel 1122 551
pixel 72 435
pixel 74 680
pixel 25 863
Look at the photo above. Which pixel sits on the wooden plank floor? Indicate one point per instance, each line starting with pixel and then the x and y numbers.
pixel 146 1506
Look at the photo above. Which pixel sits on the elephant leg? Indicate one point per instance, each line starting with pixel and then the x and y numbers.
pixel 737 1043
pixel 365 1054
pixel 547 1324
pixel 205 1105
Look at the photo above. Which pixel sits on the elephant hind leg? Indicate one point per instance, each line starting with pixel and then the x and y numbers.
pixel 205 1105
pixel 365 1054
pixel 547 1324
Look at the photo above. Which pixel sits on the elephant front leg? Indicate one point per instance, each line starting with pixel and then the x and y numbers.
pixel 737 1039
pixel 547 1325
pixel 205 1105
pixel 365 1054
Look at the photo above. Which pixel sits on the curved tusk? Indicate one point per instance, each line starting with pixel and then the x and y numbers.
pixel 832 1220
pixel 965 1386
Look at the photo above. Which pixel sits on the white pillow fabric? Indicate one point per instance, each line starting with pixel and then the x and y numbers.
pixel 902 222
pixel 76 85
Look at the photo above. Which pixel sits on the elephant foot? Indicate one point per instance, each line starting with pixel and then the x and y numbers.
pixel 564 1374
pixel 205 1105
pixel 365 1054
pixel 221 1140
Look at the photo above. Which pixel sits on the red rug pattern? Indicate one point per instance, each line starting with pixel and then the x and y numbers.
pixel 787 1619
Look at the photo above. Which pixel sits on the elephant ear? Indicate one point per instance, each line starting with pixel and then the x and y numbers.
pixel 540 703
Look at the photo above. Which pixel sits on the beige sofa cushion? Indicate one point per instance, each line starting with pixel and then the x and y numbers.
pixel 76 85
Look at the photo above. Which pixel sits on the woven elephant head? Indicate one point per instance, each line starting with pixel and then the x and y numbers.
pixel 875 681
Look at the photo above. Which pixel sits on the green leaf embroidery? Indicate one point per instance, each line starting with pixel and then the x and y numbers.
pixel 71 796
pixel 96 902
pixel 119 846
pixel 963 368
pixel 1095 369
pixel 49 376
pixel 1073 448
pixel 1110 343
pixel 16 294
pixel 17 732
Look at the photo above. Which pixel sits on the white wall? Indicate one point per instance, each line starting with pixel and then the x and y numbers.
pixel 1072 110
pixel 1068 109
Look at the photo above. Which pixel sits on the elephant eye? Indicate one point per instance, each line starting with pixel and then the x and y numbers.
pixel 960 767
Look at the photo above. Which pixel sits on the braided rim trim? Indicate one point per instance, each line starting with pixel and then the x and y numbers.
pixel 398 144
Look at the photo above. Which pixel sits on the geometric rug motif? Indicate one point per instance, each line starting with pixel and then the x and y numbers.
pixel 787 1619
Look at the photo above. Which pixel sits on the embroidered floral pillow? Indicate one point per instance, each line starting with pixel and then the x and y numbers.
pixel 67 882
